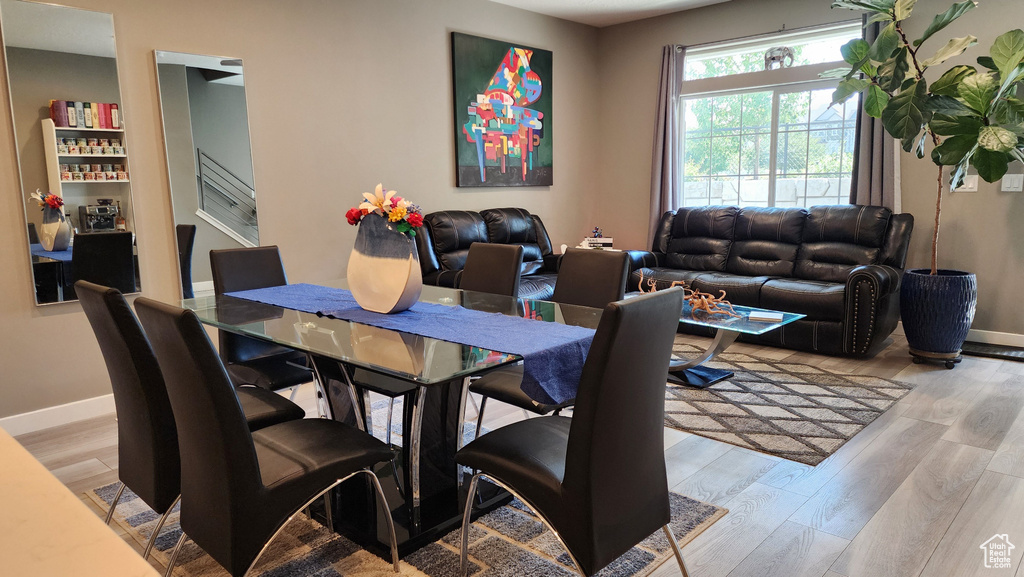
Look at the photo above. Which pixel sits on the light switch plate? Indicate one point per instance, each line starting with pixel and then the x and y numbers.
pixel 1013 183
pixel 970 184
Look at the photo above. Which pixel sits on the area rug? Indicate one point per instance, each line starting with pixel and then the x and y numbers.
pixel 799 412
pixel 507 542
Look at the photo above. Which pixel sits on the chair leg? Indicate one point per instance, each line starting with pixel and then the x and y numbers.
pixel 113 504
pixel 387 516
pixel 159 526
pixel 329 510
pixel 466 515
pixel 675 549
pixel 391 413
pixel 174 555
pixel 295 391
pixel 480 416
pixel 526 414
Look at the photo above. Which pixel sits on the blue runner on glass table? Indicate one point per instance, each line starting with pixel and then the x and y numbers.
pixel 553 353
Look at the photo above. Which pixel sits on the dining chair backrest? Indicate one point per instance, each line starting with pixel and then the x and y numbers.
pixel 615 478
pixel 147 441
pixel 33 236
pixel 105 258
pixel 493 268
pixel 186 234
pixel 239 269
pixel 591 278
pixel 220 474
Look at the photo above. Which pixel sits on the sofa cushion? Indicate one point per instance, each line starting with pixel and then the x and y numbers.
pixel 701 238
pixel 515 226
pixel 766 241
pixel 820 301
pixel 739 290
pixel 452 232
pixel 537 286
pixel 838 238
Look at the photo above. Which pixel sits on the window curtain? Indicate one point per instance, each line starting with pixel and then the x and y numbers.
pixel 665 169
pixel 875 179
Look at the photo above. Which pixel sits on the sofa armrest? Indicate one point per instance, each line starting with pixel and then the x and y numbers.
pixel 872 307
pixel 639 259
pixel 445 278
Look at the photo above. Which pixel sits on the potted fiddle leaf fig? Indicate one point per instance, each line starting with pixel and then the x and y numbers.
pixel 972 116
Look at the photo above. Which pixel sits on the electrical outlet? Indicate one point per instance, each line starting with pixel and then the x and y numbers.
pixel 1013 183
pixel 970 184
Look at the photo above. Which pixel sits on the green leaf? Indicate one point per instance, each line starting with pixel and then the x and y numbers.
pixel 881 17
pixel 987 62
pixel 955 47
pixel 947 105
pixel 991 165
pixel 893 72
pixel 904 115
pixel 945 19
pixel 944 125
pixel 835 73
pixel 953 150
pixel 1009 85
pixel 880 6
pixel 1009 111
pixel 1008 51
pixel 1018 154
pixel 887 42
pixel 977 91
pixel 947 83
pixel 997 139
pixel 848 88
pixel 855 51
pixel 903 8
pixel 875 101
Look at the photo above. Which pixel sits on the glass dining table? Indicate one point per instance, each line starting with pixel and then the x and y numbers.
pixel 431 376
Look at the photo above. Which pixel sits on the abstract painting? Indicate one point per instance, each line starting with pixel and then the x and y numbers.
pixel 502 93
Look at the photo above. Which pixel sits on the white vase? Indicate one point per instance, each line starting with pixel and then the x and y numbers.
pixel 384 268
pixel 55 232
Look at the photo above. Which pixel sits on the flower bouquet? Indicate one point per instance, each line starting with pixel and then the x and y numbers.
pixel 384 269
pixel 49 200
pixel 390 206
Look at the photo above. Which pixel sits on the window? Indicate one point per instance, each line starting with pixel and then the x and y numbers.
pixel 756 137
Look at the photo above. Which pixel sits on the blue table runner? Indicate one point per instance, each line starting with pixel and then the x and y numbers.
pixel 553 353
pixel 61 255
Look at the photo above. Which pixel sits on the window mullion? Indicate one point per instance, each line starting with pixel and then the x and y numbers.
pixel 773 156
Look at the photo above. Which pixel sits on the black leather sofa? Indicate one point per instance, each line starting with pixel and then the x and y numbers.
pixel 839 265
pixel 444 239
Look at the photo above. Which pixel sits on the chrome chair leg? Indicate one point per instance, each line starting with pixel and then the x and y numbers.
pixel 466 515
pixel 675 549
pixel 480 416
pixel 174 555
pixel 113 504
pixel 295 391
pixel 159 526
pixel 391 412
pixel 329 510
pixel 387 516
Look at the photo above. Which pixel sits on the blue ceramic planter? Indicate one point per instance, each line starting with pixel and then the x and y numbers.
pixel 937 311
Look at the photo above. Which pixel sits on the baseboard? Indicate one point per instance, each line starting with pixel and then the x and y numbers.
pixel 996 338
pixel 60 415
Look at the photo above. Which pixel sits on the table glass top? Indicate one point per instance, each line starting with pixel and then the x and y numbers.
pixel 402 355
pixel 741 323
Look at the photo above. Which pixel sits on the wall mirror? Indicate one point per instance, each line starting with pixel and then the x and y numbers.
pixel 209 160
pixel 71 142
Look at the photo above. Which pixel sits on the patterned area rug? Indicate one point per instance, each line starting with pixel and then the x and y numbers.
pixel 795 411
pixel 507 542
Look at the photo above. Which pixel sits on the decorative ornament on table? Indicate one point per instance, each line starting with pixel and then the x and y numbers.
pixel 701 303
pixel 384 268
pixel 55 230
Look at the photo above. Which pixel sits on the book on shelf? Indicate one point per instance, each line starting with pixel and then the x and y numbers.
pixel 766 316
pixel 59 112
pixel 115 122
pixel 95 114
pixel 76 114
pixel 80 114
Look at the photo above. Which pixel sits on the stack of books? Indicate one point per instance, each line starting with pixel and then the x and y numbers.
pixel 75 114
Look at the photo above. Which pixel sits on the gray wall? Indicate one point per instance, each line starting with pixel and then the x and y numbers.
pixel 385 65
pixel 220 123
pixel 980 231
pixel 68 77
pixel 181 158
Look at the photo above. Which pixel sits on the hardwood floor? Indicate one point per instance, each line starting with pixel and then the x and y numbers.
pixel 914 494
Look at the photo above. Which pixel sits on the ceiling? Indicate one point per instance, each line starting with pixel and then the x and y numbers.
pixel 602 13
pixel 57 28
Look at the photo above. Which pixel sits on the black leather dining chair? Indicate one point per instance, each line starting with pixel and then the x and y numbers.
pixel 147 440
pixel 250 360
pixel 33 236
pixel 186 234
pixel 586 277
pixel 597 480
pixel 105 258
pixel 492 268
pixel 239 489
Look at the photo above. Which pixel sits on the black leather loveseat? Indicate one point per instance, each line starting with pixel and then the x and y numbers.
pixel 839 265
pixel 443 244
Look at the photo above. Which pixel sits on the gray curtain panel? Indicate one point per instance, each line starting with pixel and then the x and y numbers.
pixel 665 169
pixel 874 157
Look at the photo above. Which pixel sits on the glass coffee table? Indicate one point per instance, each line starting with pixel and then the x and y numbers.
pixel 692 372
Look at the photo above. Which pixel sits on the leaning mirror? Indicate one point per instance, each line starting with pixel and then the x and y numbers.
pixel 72 148
pixel 209 161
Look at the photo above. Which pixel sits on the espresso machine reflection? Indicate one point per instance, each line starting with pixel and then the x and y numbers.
pixel 97 218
